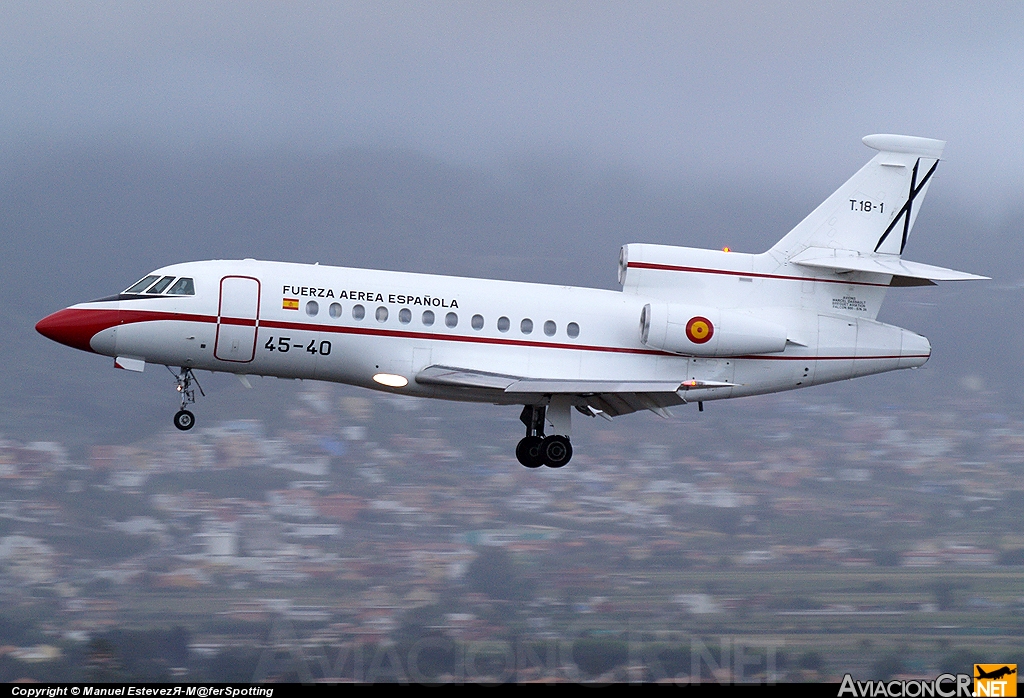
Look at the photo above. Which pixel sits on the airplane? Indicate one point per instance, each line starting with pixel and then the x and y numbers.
pixel 994 674
pixel 688 325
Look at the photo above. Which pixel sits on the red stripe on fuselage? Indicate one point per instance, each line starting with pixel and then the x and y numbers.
pixel 75 327
pixel 754 357
pixel 242 321
pixel 409 334
pixel 729 272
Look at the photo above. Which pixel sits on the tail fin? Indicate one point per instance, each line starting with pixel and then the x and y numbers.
pixel 856 237
pixel 874 211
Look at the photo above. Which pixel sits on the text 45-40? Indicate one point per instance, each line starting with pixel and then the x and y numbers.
pixel 284 344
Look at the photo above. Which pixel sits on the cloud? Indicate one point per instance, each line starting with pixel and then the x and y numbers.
pixel 729 90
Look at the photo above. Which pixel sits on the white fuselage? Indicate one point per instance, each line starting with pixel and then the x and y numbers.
pixel 689 325
pixel 276 319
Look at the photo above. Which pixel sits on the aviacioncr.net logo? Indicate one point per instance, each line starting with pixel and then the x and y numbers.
pixel 943 686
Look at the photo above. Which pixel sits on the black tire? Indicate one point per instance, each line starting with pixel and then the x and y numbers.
pixel 184 420
pixel 529 451
pixel 557 450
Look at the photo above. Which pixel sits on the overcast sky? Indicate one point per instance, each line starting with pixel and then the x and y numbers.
pixel 137 134
pixel 725 90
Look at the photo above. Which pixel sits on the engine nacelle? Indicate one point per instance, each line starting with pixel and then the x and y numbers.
pixel 694 331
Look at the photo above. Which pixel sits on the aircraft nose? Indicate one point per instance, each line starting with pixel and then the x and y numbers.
pixel 75 327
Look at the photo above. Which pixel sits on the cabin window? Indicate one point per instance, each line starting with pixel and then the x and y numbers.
pixel 477 322
pixel 335 310
pixel 312 308
pixel 550 328
pixel 526 326
pixel 573 330
pixel 503 324
pixel 142 285
pixel 381 314
pixel 405 316
pixel 358 311
pixel 451 319
pixel 160 285
pixel 428 317
pixel 182 287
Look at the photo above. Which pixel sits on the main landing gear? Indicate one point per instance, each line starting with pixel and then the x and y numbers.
pixel 183 419
pixel 535 449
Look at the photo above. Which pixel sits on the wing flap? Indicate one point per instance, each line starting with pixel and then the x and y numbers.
pixel 464 378
pixel 469 378
pixel 549 386
pixel 607 398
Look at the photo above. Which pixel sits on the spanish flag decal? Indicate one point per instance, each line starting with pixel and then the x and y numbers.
pixel 290 303
pixel 699 330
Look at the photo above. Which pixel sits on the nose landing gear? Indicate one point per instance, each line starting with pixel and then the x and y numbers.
pixel 535 449
pixel 184 419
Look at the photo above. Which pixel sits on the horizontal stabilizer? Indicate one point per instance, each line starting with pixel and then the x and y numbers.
pixel 836 260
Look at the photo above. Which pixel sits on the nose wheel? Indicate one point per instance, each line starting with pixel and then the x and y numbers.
pixel 184 419
pixel 535 449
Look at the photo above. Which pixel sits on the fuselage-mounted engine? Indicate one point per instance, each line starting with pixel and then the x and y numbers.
pixel 695 331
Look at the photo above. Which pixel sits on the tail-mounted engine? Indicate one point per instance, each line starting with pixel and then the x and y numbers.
pixel 694 331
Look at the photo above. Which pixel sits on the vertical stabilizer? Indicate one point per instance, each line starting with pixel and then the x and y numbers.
pixel 874 211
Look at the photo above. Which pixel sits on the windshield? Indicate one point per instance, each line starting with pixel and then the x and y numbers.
pixel 142 285
pixel 154 285
pixel 182 287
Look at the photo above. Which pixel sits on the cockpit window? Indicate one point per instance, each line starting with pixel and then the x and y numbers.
pixel 160 285
pixel 182 287
pixel 142 285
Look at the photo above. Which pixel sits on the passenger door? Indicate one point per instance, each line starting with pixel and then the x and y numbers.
pixel 237 319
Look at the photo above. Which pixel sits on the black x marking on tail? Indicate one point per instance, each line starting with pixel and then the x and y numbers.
pixel 904 212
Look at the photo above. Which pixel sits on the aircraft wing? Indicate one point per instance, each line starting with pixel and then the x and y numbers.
pixel 464 378
pixel 597 397
pixel 835 260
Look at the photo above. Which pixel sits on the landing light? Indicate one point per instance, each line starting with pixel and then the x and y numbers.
pixel 391 380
